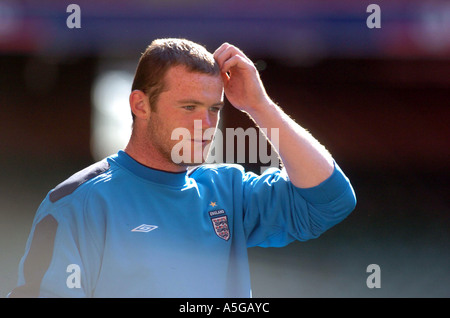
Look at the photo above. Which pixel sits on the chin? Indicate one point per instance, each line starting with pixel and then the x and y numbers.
pixel 195 157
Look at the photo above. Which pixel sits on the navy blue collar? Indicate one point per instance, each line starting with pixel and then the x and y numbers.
pixel 176 179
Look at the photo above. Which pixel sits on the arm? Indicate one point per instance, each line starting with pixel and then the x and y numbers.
pixel 306 161
pixel 276 212
pixel 60 239
pixel 43 268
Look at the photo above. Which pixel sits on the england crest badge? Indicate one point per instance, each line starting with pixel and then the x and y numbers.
pixel 220 224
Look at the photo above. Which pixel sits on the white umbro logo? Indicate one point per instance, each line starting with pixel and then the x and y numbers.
pixel 144 228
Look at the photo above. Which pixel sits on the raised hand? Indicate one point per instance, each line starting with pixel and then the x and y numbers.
pixel 242 84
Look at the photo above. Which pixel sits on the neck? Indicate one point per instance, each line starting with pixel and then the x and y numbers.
pixel 146 154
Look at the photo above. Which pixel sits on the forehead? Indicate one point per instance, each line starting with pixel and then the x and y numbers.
pixel 180 79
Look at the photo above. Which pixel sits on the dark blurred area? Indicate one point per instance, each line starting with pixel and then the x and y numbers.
pixel 378 99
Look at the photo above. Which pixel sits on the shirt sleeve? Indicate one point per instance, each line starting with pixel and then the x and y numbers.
pixel 60 259
pixel 277 213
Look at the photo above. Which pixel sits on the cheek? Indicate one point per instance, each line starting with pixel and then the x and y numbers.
pixel 158 132
pixel 169 135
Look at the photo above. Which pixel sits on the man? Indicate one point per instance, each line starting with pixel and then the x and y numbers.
pixel 137 224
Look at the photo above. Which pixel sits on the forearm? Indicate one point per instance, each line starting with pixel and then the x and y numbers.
pixel 307 162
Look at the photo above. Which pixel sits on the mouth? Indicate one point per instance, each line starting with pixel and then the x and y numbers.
pixel 201 141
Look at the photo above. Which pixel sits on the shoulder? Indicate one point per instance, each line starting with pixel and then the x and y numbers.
pixel 78 179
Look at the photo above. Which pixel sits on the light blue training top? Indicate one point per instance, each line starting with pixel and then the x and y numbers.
pixel 121 229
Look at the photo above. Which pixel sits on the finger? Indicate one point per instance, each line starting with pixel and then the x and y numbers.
pixel 219 54
pixel 227 51
pixel 220 49
pixel 234 61
pixel 223 54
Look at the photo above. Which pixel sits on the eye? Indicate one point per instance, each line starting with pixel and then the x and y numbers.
pixel 215 109
pixel 189 107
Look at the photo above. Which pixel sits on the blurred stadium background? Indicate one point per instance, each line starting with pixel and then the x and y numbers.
pixel 377 98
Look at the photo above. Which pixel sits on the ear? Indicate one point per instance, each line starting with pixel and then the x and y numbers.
pixel 140 104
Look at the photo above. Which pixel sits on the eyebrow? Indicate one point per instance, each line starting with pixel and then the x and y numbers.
pixel 196 102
